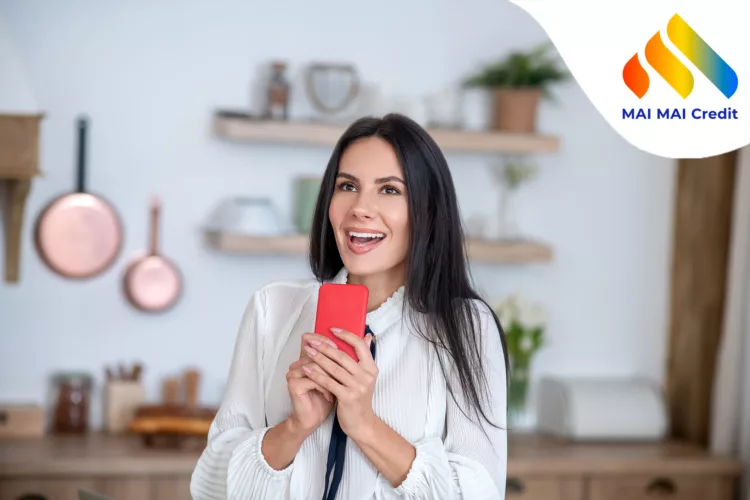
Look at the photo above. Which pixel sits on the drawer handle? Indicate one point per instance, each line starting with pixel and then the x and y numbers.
pixel 661 486
pixel 514 485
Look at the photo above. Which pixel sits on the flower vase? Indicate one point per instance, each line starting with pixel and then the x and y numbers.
pixel 506 227
pixel 518 411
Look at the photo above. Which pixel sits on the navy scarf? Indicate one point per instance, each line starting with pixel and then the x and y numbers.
pixel 337 446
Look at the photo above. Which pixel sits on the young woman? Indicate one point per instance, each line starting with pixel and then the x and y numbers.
pixel 422 414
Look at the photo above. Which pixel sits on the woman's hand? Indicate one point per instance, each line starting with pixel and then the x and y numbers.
pixel 311 403
pixel 351 382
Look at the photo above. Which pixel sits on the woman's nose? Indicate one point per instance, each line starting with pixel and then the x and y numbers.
pixel 363 208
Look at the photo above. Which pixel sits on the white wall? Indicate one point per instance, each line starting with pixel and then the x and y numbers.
pixel 149 74
pixel 16 95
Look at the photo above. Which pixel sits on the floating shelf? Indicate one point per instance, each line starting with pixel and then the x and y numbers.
pixel 238 128
pixel 479 250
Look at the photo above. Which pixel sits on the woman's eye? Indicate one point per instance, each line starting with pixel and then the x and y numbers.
pixel 390 190
pixel 346 186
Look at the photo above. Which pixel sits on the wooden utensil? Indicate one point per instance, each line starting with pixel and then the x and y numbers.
pixel 171 391
pixel 152 283
pixel 20 136
pixel 192 380
pixel 79 235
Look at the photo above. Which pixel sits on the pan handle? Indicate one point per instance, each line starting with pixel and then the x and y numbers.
pixel 155 209
pixel 81 173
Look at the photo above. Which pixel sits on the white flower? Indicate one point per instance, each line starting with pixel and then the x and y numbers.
pixel 526 345
pixel 506 319
pixel 532 316
pixel 509 310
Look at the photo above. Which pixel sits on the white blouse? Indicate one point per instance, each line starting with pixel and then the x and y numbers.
pixel 455 458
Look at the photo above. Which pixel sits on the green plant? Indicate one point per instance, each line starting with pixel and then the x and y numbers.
pixel 518 172
pixel 535 68
pixel 524 324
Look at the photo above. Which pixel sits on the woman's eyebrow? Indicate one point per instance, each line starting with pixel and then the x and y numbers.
pixel 347 176
pixel 381 180
pixel 391 178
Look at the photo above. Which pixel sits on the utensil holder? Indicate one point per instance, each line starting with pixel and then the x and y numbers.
pixel 121 400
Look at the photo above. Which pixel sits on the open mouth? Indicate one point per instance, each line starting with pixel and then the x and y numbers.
pixel 361 242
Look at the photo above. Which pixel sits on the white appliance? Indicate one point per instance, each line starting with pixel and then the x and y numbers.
pixel 602 409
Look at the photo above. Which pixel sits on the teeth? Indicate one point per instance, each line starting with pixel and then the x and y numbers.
pixel 366 235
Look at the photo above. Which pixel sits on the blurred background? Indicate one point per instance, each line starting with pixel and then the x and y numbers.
pixel 619 276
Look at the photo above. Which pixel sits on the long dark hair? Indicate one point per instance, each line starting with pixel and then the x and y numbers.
pixel 438 283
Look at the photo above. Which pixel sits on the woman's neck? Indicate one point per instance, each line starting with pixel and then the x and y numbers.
pixel 381 286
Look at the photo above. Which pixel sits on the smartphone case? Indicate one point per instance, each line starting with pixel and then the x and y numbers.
pixel 342 306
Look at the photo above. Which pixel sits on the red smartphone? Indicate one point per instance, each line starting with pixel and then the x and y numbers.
pixel 342 306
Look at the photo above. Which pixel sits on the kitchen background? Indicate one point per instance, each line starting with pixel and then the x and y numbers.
pixel 150 75
pixel 166 85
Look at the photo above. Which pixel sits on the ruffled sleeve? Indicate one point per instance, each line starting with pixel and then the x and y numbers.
pixel 470 463
pixel 232 464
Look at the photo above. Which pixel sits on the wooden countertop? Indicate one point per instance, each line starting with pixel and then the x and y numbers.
pixel 94 454
pixel 531 455
pixel 102 455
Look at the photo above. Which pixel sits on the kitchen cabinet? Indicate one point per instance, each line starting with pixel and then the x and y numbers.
pixel 539 468
pixel 119 467
pixel 544 468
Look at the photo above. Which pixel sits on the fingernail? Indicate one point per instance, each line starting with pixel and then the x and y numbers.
pixel 306 369
pixel 332 343
pixel 336 330
pixel 315 343
pixel 310 351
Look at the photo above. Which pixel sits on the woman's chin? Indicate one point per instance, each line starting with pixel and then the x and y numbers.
pixel 362 265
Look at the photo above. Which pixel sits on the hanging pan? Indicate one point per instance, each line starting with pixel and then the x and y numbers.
pixel 78 235
pixel 152 283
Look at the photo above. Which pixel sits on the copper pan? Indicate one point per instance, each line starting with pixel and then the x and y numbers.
pixel 152 283
pixel 78 235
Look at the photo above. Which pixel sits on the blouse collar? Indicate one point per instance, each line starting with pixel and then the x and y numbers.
pixel 387 313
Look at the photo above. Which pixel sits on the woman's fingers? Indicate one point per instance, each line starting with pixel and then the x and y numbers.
pixel 297 366
pixel 298 372
pixel 335 363
pixel 360 347
pixel 314 340
pixel 300 386
pixel 325 381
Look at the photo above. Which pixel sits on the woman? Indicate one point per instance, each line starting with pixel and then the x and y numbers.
pixel 420 417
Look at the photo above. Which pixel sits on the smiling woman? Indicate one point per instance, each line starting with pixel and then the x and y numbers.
pixel 369 214
pixel 420 417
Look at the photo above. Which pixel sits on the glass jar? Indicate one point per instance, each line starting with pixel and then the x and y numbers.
pixel 277 106
pixel 72 402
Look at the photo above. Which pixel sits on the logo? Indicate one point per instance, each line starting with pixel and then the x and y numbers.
pixel 673 70
pixel 666 91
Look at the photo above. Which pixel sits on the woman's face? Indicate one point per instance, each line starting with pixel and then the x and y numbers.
pixel 369 211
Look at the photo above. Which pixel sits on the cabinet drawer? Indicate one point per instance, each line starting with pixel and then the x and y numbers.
pixel 666 487
pixel 543 488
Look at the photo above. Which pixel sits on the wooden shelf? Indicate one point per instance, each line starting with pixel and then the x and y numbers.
pixel 479 250
pixel 320 134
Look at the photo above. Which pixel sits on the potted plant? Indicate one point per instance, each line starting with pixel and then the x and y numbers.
pixel 517 83
pixel 524 324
